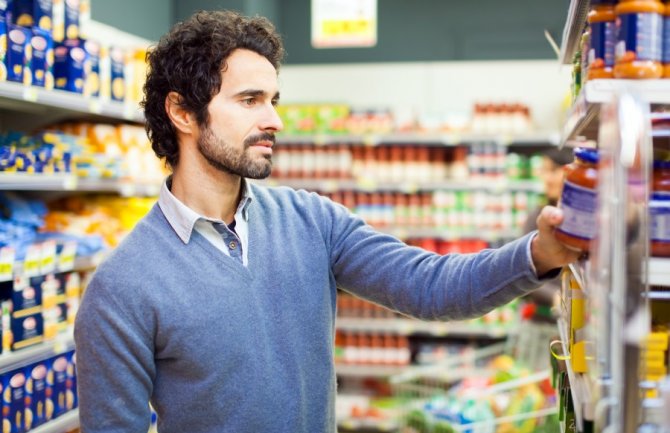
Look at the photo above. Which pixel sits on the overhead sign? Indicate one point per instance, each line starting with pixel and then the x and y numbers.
pixel 344 23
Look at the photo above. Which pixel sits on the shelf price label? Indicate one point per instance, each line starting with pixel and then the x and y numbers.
pixel 30 94
pixel 33 260
pixel 94 106
pixel 67 256
pixel 48 258
pixel 7 255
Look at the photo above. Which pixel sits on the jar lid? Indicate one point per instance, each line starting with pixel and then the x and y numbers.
pixel 587 154
pixel 661 165
pixel 602 2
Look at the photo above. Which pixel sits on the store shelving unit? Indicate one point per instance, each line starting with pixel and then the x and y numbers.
pixel 65 422
pixel 437 329
pixel 621 280
pixel 423 138
pixel 572 31
pixel 67 182
pixel 61 104
pixel 331 185
pixel 12 360
pixel 583 117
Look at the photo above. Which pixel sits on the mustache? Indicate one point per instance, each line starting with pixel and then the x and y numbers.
pixel 266 136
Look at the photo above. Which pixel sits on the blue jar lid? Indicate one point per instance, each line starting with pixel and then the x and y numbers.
pixel 661 165
pixel 587 154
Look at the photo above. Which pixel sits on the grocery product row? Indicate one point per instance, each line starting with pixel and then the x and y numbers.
pixel 89 151
pixel 46 44
pixel 486 118
pixel 408 162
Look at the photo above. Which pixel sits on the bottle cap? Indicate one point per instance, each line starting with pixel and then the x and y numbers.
pixel 587 154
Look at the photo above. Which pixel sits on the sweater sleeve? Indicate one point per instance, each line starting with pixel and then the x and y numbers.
pixel 115 367
pixel 380 268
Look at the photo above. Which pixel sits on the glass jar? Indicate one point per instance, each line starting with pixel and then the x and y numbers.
pixel 579 201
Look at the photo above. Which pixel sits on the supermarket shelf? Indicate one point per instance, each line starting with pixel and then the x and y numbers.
pixel 418 138
pixel 409 327
pixel 20 358
pixel 70 182
pixel 491 235
pixel 65 422
pixel 17 97
pixel 581 119
pixel 580 384
pixel 80 264
pixel 354 370
pixel 332 185
pixel 659 271
pixel 572 31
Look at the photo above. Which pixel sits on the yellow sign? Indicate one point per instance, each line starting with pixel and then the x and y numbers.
pixel 344 23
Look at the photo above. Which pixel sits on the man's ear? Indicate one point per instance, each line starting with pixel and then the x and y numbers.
pixel 181 118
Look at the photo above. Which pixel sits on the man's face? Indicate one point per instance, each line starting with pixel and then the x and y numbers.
pixel 242 118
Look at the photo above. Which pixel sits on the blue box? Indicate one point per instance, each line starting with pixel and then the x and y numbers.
pixel 33 13
pixel 69 67
pixel 57 386
pixel 72 398
pixel 27 330
pixel 36 395
pixel 117 73
pixel 13 401
pixel 17 40
pixel 27 294
pixel 71 20
pixel 3 47
pixel 41 64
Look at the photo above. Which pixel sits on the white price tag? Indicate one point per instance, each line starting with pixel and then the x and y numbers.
pixel 33 261
pixel 94 106
pixel 30 94
pixel 48 260
pixel 67 256
pixel 7 255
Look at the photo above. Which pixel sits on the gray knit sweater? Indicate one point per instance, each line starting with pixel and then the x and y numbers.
pixel 218 347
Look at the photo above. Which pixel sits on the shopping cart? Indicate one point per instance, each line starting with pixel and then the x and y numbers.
pixel 473 392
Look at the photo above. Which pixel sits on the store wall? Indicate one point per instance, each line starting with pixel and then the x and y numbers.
pixel 434 91
pixel 148 19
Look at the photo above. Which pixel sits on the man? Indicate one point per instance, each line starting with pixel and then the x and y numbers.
pixel 219 307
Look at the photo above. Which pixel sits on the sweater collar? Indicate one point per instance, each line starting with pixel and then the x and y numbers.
pixel 182 218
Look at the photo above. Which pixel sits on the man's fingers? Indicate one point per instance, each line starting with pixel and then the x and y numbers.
pixel 549 218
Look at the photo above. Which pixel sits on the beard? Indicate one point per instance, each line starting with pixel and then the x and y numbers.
pixel 228 159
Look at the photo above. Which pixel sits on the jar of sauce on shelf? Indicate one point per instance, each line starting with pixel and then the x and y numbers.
pixel 603 37
pixel 659 210
pixel 579 201
pixel 666 41
pixel 640 39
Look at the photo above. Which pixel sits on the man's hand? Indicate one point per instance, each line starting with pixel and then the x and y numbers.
pixel 547 252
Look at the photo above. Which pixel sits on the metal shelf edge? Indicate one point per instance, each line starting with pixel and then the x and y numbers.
pixel 12 360
pixel 65 422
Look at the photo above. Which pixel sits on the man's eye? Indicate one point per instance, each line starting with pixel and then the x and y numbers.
pixel 275 102
pixel 249 101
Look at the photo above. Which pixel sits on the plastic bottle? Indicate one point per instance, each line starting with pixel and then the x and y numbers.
pixel 578 201
pixel 603 36
pixel 659 210
pixel 639 41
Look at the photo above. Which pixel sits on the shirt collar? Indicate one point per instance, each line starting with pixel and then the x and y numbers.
pixel 182 218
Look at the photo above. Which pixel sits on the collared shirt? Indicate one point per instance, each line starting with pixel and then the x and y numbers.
pixel 184 220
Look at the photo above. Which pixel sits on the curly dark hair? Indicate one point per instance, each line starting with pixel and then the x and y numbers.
pixel 189 60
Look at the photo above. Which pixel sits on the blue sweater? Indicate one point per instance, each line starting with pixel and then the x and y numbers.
pixel 218 347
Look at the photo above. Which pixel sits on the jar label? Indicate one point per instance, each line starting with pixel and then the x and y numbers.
pixel 640 37
pixel 659 217
pixel 579 211
pixel 666 40
pixel 603 40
